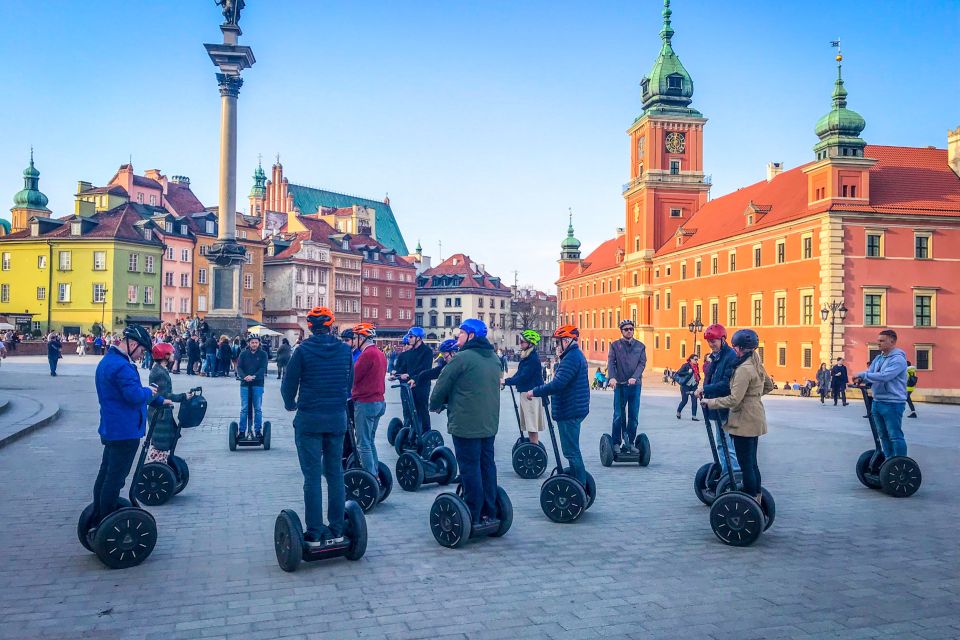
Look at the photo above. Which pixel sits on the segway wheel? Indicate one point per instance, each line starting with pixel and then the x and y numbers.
pixel 863 468
pixel 450 521
pixel 232 435
pixel 736 519
pixel 606 450
pixel 156 483
pixel 84 522
pixel 702 481
pixel 443 455
pixel 386 480
pixel 430 441
pixel 401 439
pixel 590 490
pixel 288 540
pixel 504 513
pixel 409 471
pixel 356 530
pixel 529 460
pixel 393 429
pixel 362 487
pixel 769 507
pixel 266 436
pixel 642 443
pixel 182 471
pixel 900 477
pixel 562 499
pixel 125 538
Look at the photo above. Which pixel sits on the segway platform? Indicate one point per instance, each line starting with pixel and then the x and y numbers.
pixel 248 437
pixel 610 453
pixel 452 525
pixel 292 549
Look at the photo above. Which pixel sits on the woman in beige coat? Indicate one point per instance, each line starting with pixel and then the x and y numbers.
pixel 747 421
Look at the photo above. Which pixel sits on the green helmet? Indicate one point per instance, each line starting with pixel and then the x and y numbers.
pixel 531 336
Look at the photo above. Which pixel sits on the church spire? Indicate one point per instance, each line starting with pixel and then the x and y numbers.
pixel 570 247
pixel 839 130
pixel 668 89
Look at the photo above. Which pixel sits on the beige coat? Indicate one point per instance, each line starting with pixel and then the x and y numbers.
pixel 749 382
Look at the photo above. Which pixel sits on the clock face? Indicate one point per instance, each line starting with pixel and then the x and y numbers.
pixel 676 142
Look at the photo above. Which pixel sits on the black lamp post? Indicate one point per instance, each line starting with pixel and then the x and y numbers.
pixel 103 310
pixel 831 311
pixel 695 327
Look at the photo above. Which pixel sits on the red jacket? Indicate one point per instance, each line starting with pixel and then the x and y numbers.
pixel 369 372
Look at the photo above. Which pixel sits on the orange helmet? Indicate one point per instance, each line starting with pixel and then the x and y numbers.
pixel 162 350
pixel 365 329
pixel 567 331
pixel 320 316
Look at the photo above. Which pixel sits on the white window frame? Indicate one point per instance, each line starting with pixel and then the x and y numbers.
pixel 99 293
pixel 63 292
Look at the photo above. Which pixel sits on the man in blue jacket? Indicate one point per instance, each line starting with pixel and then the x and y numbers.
pixel 571 405
pixel 716 384
pixel 317 385
pixel 888 375
pixel 123 415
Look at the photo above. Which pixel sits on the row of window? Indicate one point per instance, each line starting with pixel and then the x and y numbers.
pixel 99 293
pixel 922 245
pixel 168 279
pixel 373 313
pixel 374 273
pixel 185 254
pixel 347 306
pixel 184 305
pixel 924 307
pixel 65 262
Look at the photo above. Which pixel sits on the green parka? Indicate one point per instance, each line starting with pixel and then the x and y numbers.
pixel 469 386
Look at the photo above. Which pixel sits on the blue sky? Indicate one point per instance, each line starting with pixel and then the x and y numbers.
pixel 484 121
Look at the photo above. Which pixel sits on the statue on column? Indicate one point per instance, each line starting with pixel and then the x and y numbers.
pixel 231 10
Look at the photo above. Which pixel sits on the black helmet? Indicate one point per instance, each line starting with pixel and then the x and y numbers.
pixel 746 339
pixel 139 335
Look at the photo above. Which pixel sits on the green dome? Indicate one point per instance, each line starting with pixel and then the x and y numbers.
pixel 839 130
pixel 30 196
pixel 259 188
pixel 5 225
pixel 570 243
pixel 668 88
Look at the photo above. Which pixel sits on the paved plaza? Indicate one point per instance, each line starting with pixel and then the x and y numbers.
pixel 841 561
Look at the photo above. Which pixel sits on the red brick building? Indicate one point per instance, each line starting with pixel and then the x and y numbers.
pixel 389 288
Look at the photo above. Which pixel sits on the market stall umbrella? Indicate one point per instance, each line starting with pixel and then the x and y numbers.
pixel 6 326
pixel 261 330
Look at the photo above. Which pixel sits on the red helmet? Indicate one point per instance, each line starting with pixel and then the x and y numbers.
pixel 567 331
pixel 162 350
pixel 320 316
pixel 715 332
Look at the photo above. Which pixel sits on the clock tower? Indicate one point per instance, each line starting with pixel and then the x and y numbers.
pixel 667 184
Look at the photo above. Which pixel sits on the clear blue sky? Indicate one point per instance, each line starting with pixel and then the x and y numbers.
pixel 483 120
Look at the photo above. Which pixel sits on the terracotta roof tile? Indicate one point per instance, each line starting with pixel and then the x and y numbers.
pixel 182 199
pixel 117 223
pixel 461 264
pixel 600 259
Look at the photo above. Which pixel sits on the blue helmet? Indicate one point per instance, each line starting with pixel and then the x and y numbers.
pixel 746 339
pixel 406 340
pixel 416 332
pixel 474 326
pixel 449 346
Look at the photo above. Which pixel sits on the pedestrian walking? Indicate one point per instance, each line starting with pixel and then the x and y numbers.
pixel 823 382
pixel 54 352
pixel 283 357
pixel 912 380
pixel 838 381
pixel 688 377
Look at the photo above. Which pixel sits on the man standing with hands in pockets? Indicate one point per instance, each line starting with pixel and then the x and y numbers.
pixel 626 361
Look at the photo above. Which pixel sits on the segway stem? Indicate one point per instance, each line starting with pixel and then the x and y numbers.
pixel 726 453
pixel 516 410
pixel 131 494
pixel 709 426
pixel 553 437
pixel 868 403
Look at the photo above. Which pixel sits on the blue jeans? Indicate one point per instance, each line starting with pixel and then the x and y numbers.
pixel 115 464
pixel 570 444
pixel 320 454
pixel 478 475
pixel 53 365
pixel 626 406
pixel 210 364
pixel 719 418
pixel 257 393
pixel 888 416
pixel 366 416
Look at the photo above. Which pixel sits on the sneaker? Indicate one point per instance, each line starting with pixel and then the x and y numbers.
pixel 627 448
pixel 678 415
pixel 258 435
pixel 845 403
pixel 695 419
pixel 335 540
pixel 912 415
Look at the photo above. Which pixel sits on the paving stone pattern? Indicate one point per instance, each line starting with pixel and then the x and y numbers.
pixel 841 561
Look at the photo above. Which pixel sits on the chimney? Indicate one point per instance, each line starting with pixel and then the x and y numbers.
pixel 953 150
pixel 773 170
pixel 183 181
pixel 153 174
pixel 83 185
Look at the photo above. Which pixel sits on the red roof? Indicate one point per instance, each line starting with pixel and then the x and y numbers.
pixel 149 183
pixel 910 180
pixel 366 241
pixel 296 242
pixel 116 190
pixel 182 199
pixel 600 259
pixel 461 264
pixel 117 223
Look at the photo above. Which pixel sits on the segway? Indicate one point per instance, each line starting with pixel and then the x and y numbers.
pixel 452 525
pixel 562 497
pixel 529 459
pixel 361 485
pixel 418 465
pixel 410 437
pixel 126 537
pixel 710 481
pixel 899 476
pixel 158 481
pixel 247 437
pixel 291 548
pixel 735 517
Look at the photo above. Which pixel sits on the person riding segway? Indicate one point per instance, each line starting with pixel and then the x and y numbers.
pixel 626 360
pixel 569 491
pixel 412 363
pixel 120 533
pixel 529 457
pixel 317 386
pixel 251 370
pixel 469 388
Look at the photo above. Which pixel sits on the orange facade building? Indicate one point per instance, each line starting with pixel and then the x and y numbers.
pixel 875 229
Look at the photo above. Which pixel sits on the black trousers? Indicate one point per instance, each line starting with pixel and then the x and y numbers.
pixel 746 448
pixel 839 392
pixel 421 402
pixel 115 465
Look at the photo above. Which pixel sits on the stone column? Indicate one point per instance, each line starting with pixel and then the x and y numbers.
pixel 227 217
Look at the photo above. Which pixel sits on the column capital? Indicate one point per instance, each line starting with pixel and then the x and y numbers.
pixel 229 84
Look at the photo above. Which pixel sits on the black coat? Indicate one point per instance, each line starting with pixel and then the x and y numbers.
pixel 529 373
pixel 413 363
pixel 318 381
pixel 838 376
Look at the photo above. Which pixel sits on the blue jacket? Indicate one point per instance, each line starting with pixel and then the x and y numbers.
pixel 570 385
pixel 716 382
pixel 54 348
pixel 317 382
pixel 888 375
pixel 529 373
pixel 123 398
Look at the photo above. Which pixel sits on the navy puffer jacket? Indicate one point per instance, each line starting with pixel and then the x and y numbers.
pixel 570 385
pixel 716 380
pixel 318 379
pixel 529 373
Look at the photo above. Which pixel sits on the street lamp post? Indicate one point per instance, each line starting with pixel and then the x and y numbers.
pixel 831 311
pixel 103 310
pixel 695 327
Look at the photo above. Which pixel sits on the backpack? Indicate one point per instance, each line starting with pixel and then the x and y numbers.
pixel 912 380
pixel 192 411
